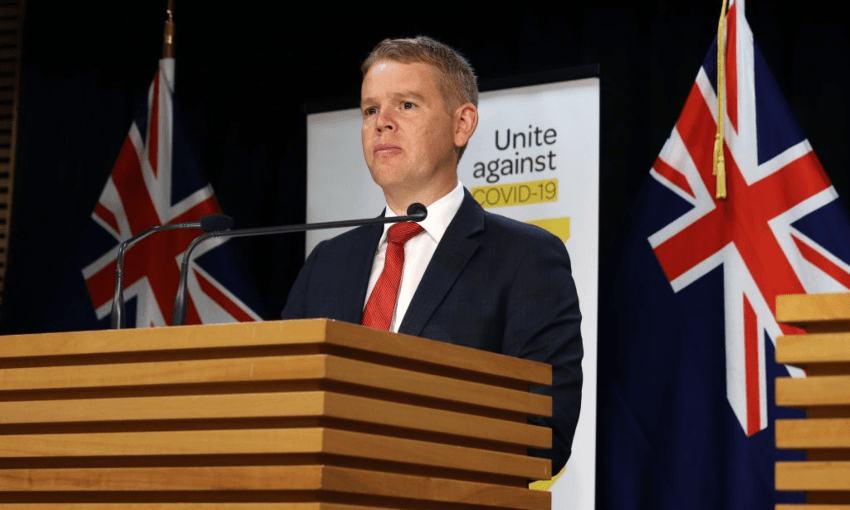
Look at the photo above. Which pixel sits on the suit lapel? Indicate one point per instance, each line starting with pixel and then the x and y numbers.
pixel 362 256
pixel 453 253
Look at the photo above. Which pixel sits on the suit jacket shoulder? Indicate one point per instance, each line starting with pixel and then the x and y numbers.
pixel 332 284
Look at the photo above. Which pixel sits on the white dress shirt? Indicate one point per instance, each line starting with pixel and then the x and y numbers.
pixel 417 251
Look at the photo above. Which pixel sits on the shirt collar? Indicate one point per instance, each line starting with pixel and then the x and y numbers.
pixel 440 214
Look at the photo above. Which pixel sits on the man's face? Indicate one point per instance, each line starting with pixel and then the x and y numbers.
pixel 408 135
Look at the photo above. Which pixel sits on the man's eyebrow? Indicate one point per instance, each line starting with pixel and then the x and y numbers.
pixel 395 97
pixel 408 94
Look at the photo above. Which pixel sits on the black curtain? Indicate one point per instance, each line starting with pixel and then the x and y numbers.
pixel 246 71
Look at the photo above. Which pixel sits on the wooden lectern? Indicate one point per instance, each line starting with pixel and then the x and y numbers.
pixel 297 415
pixel 824 394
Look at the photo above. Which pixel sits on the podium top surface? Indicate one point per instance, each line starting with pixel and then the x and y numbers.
pixel 319 335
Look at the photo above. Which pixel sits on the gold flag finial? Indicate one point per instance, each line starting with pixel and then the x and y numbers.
pixel 718 163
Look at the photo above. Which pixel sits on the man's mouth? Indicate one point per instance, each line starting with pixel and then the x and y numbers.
pixel 385 149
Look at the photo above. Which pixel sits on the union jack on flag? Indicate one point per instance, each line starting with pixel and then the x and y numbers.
pixel 148 187
pixel 774 180
pixel 687 307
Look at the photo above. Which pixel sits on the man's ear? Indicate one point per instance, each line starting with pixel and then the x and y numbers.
pixel 466 120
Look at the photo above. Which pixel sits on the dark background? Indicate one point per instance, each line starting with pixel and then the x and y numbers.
pixel 246 73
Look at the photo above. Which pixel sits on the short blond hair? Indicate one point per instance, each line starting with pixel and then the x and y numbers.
pixel 458 83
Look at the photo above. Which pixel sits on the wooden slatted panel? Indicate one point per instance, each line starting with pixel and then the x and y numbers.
pixel 813 349
pixel 813 476
pixel 330 336
pixel 831 390
pixel 289 412
pixel 129 447
pixel 813 433
pixel 11 21
pixel 197 506
pixel 151 375
pixel 820 313
pixel 310 404
pixel 812 507
pixel 825 395
pixel 274 478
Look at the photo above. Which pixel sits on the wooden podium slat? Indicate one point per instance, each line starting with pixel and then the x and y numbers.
pixel 124 446
pixel 316 367
pixel 813 349
pixel 298 415
pixel 812 507
pixel 272 478
pixel 824 393
pixel 206 506
pixel 813 391
pixel 811 308
pixel 231 338
pixel 813 476
pixel 813 433
pixel 817 313
pixel 281 405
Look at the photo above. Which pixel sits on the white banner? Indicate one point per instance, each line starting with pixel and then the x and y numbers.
pixel 534 158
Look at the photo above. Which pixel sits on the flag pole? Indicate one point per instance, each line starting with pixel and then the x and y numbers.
pixel 719 165
pixel 168 35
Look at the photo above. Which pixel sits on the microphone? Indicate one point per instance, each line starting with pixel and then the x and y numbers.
pixel 415 212
pixel 208 223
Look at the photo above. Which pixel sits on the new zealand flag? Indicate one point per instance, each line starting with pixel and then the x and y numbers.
pixel 155 181
pixel 687 308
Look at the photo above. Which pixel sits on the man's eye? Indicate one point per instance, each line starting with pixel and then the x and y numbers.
pixel 407 105
pixel 369 111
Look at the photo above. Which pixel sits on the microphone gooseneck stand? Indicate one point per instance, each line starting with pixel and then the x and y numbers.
pixel 209 223
pixel 416 212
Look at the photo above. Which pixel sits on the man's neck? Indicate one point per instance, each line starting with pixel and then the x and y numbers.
pixel 399 202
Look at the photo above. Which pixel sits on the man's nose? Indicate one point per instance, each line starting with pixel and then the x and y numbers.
pixel 385 121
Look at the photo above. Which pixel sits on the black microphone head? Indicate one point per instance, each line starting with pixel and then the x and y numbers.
pixel 416 209
pixel 216 222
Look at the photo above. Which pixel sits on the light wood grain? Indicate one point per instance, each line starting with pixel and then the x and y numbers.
pixel 270 334
pixel 305 411
pixel 130 376
pixel 802 350
pixel 433 489
pixel 163 340
pixel 438 353
pixel 275 478
pixel 813 476
pixel 813 391
pixel 189 506
pixel 808 308
pixel 812 507
pixel 275 405
pixel 822 433
pixel 163 478
pixel 195 442
pixel 354 445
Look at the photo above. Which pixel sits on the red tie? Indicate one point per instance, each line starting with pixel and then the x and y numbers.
pixel 381 304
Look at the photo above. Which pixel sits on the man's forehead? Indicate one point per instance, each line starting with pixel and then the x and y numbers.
pixel 399 77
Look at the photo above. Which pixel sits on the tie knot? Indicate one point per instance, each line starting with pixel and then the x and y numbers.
pixel 400 233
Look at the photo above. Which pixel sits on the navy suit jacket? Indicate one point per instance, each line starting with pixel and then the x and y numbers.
pixel 493 284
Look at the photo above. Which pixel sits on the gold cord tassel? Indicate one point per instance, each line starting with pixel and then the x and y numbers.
pixel 719 166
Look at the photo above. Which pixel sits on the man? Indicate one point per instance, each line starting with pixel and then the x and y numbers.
pixel 470 277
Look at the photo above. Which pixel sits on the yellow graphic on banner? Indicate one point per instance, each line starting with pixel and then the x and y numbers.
pixel 520 193
pixel 546 485
pixel 558 226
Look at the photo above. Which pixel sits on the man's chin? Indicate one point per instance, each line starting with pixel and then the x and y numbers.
pixel 385 176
